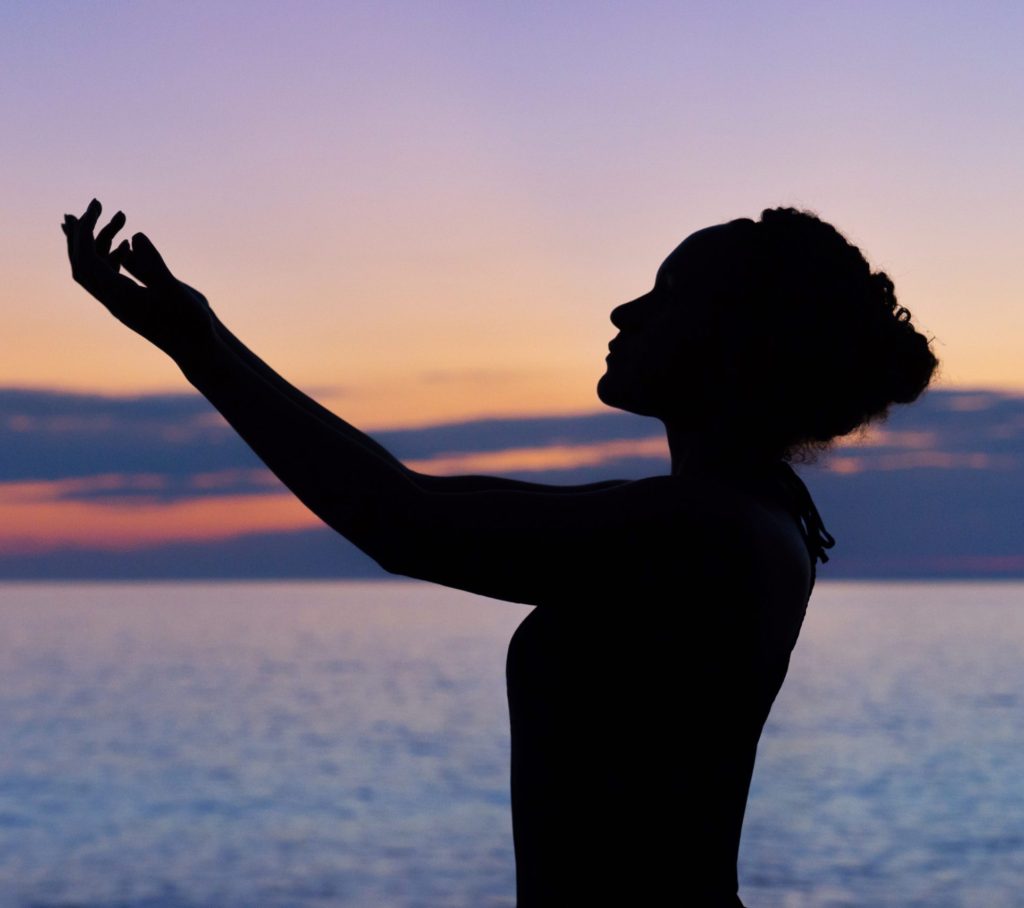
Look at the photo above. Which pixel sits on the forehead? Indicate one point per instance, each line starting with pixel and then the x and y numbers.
pixel 699 255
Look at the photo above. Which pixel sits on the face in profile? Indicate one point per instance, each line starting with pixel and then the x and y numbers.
pixel 667 354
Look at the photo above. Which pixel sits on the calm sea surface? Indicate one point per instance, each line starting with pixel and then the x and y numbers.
pixel 313 745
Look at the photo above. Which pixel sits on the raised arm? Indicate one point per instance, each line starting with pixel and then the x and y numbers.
pixel 347 480
pixel 502 538
pixel 336 423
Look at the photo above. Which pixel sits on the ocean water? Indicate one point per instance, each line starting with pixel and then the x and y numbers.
pixel 313 745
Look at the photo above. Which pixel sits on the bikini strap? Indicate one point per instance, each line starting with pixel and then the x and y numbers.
pixel 817 538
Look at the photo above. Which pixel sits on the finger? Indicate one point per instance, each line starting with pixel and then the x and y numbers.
pixel 83 247
pixel 91 215
pixel 102 279
pixel 82 244
pixel 68 228
pixel 87 268
pixel 106 236
pixel 145 263
pixel 118 256
pixel 71 232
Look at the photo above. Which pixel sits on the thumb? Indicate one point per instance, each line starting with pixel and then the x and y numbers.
pixel 146 264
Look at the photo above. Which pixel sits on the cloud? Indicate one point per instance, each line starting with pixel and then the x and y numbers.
pixel 937 490
pixel 138 488
pixel 306 554
pixel 51 435
pixel 549 457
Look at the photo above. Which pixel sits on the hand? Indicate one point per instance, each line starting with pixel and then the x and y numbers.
pixel 165 311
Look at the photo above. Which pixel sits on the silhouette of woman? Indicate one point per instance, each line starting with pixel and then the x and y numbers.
pixel 666 607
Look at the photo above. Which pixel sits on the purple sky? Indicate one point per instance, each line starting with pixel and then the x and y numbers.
pixel 426 211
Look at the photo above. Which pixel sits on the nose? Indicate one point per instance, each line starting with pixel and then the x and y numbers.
pixel 625 315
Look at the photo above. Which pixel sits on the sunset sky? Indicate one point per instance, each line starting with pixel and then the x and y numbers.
pixel 424 212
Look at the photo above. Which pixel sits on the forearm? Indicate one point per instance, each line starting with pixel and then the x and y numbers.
pixel 330 420
pixel 350 482
pixel 339 475
pixel 333 422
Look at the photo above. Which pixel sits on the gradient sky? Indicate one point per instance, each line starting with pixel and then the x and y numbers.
pixel 94 486
pixel 425 211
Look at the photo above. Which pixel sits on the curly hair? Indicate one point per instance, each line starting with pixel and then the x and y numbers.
pixel 832 348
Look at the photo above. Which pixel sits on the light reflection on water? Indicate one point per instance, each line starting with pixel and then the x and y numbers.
pixel 891 772
pixel 270 745
pixel 191 746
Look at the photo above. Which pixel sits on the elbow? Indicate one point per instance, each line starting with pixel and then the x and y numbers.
pixel 389 562
pixel 379 547
pixel 383 532
pixel 397 554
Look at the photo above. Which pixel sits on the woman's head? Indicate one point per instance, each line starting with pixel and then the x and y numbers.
pixel 774 334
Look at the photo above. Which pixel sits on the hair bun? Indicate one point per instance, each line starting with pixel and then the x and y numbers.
pixel 831 317
pixel 912 365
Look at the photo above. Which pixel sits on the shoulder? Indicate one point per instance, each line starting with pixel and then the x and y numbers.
pixel 706 503
pixel 740 527
pixel 715 522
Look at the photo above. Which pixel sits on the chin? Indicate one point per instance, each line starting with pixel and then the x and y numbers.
pixel 612 393
pixel 606 391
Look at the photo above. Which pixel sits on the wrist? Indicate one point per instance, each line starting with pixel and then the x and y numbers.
pixel 198 353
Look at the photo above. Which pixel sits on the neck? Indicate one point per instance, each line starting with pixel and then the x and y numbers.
pixel 697 451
